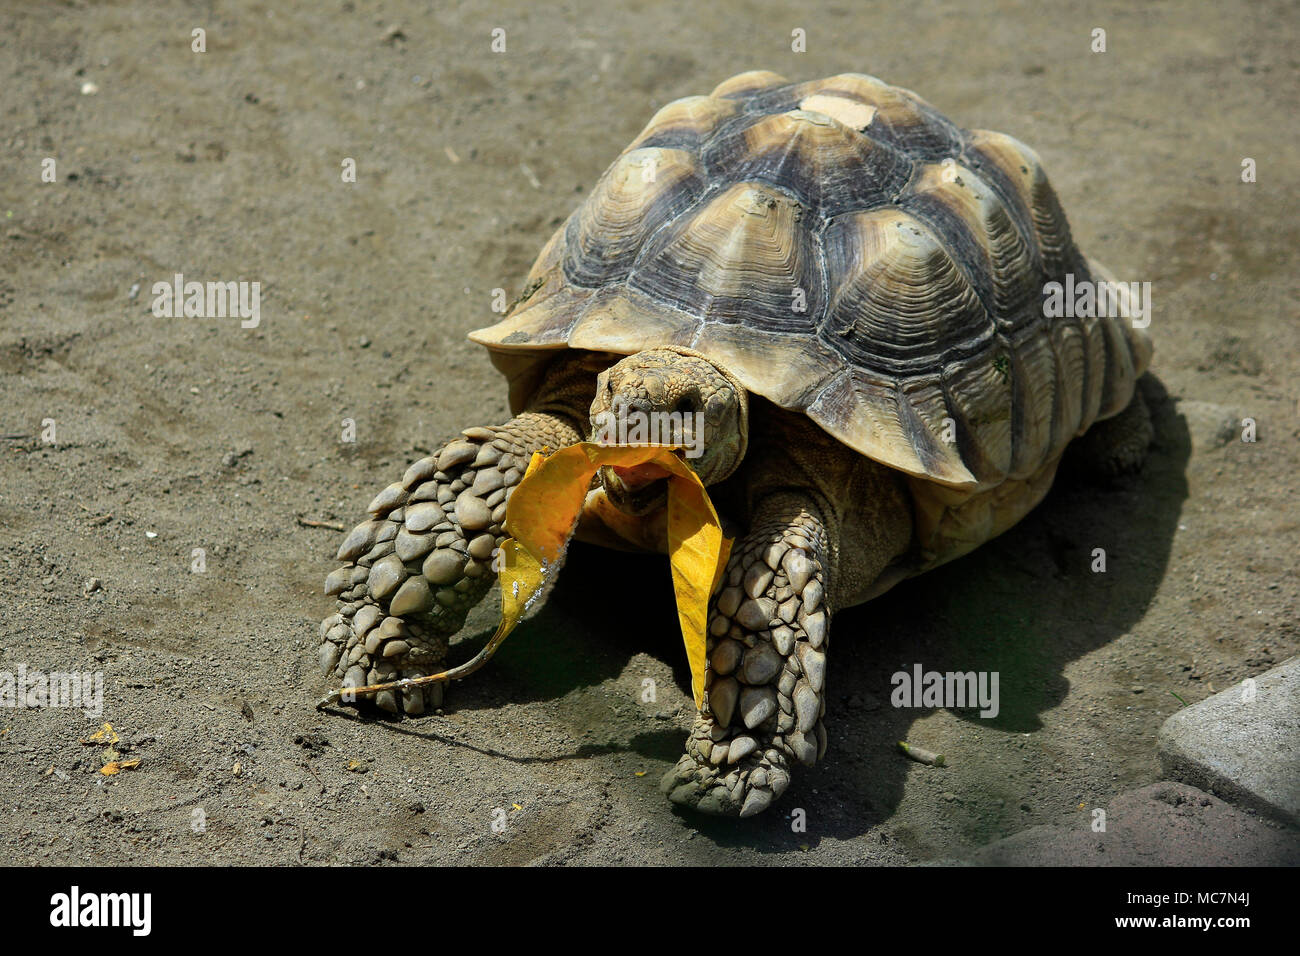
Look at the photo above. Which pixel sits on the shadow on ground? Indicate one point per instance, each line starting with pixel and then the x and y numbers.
pixel 1024 606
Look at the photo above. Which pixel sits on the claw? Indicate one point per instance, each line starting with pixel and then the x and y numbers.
pixel 757 801
pixel 412 701
pixel 683 795
pixel 752 783
pixel 329 658
pixel 713 802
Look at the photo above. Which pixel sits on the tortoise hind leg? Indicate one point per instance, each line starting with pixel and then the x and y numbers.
pixel 412 573
pixel 1116 446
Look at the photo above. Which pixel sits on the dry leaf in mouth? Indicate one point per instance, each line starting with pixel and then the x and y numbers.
pixel 544 511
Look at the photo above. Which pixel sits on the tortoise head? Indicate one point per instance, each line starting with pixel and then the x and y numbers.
pixel 668 396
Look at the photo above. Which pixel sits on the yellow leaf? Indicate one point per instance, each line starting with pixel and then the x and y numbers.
pixel 105 735
pixel 543 514
pixel 698 553
pixel 115 766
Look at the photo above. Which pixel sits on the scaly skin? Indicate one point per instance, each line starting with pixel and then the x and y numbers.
pixel 822 524
pixel 412 572
pixel 766 681
pixel 769 624
pixel 1118 445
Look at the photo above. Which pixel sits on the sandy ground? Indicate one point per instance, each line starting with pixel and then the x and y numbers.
pixel 176 434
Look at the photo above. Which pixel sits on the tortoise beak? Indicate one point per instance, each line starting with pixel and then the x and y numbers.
pixel 636 477
pixel 636 490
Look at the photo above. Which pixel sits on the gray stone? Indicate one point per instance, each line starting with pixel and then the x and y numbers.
pixel 1246 751
pixel 775 551
pixel 812 597
pixel 1210 426
pixel 805 751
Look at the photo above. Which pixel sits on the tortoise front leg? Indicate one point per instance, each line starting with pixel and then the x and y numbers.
pixel 766 682
pixel 412 572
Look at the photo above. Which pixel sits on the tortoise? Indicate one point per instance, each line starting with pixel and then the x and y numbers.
pixel 840 294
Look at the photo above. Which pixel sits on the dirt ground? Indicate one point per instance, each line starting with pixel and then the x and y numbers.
pixel 176 434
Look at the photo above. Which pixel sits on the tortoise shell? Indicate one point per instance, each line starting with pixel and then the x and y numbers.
pixel 846 252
